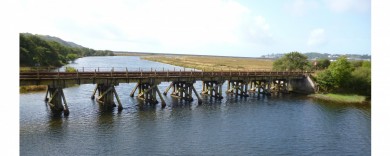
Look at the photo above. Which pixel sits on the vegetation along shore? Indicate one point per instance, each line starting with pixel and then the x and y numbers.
pixel 209 63
pixel 341 98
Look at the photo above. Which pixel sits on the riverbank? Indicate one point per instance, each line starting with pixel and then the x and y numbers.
pixel 209 63
pixel 27 89
pixel 341 98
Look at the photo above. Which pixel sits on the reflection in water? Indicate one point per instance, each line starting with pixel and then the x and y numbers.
pixel 283 124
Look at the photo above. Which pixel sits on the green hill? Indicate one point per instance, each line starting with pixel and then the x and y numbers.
pixel 44 50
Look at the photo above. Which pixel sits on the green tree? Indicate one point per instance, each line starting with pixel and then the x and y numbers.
pixel 71 57
pixel 323 63
pixel 361 79
pixel 325 81
pixel 291 62
pixel 337 75
pixel 341 71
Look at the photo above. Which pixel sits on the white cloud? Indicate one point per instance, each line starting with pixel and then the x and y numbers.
pixel 168 25
pixel 300 7
pixel 256 30
pixel 349 5
pixel 317 37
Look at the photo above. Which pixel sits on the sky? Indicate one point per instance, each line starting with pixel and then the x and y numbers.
pixel 248 28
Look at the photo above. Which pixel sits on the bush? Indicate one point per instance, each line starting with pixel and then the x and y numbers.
pixel 70 69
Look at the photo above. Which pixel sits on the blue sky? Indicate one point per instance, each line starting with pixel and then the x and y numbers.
pixel 212 27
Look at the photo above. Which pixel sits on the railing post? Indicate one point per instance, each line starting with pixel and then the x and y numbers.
pixel 127 73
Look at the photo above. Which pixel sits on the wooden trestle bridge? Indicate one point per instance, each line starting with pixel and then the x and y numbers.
pixel 260 82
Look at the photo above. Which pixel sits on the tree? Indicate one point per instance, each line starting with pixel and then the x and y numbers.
pixel 291 62
pixel 325 80
pixel 361 79
pixel 71 57
pixel 336 76
pixel 323 63
pixel 341 71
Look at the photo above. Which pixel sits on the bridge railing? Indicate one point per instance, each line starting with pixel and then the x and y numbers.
pixel 139 69
pixel 145 74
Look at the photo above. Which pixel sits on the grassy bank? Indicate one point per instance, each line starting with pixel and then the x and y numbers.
pixel 26 89
pixel 340 98
pixel 209 63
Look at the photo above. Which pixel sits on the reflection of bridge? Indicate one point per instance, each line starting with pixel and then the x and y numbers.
pixel 260 82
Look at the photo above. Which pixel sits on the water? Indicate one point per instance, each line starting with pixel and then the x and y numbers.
pixel 266 125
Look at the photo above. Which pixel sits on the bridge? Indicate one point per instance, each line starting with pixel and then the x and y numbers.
pixel 239 83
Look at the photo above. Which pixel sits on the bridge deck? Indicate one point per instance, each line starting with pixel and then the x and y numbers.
pixel 45 78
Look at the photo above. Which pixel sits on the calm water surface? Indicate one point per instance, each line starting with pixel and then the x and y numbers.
pixel 266 125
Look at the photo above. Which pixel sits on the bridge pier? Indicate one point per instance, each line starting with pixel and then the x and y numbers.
pixel 238 87
pixel 56 97
pixel 106 93
pixel 183 90
pixel 281 85
pixel 259 87
pixel 148 91
pixel 212 88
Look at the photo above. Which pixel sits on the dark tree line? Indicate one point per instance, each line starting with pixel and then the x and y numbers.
pixel 36 51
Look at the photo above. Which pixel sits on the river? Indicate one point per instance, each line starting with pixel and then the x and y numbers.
pixel 289 124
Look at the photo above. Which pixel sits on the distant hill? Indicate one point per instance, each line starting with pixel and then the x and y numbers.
pixel 55 39
pixel 44 50
pixel 62 42
pixel 316 55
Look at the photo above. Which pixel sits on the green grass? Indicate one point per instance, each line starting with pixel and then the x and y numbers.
pixel 340 98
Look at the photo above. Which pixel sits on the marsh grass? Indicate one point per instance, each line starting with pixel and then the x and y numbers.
pixel 37 88
pixel 209 63
pixel 340 98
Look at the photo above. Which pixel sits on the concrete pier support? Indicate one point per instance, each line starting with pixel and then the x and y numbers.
pixel 56 99
pixel 238 87
pixel 212 88
pixel 183 90
pixel 106 93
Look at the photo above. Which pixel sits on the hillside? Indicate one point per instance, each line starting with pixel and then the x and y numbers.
pixel 43 50
pixel 59 40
